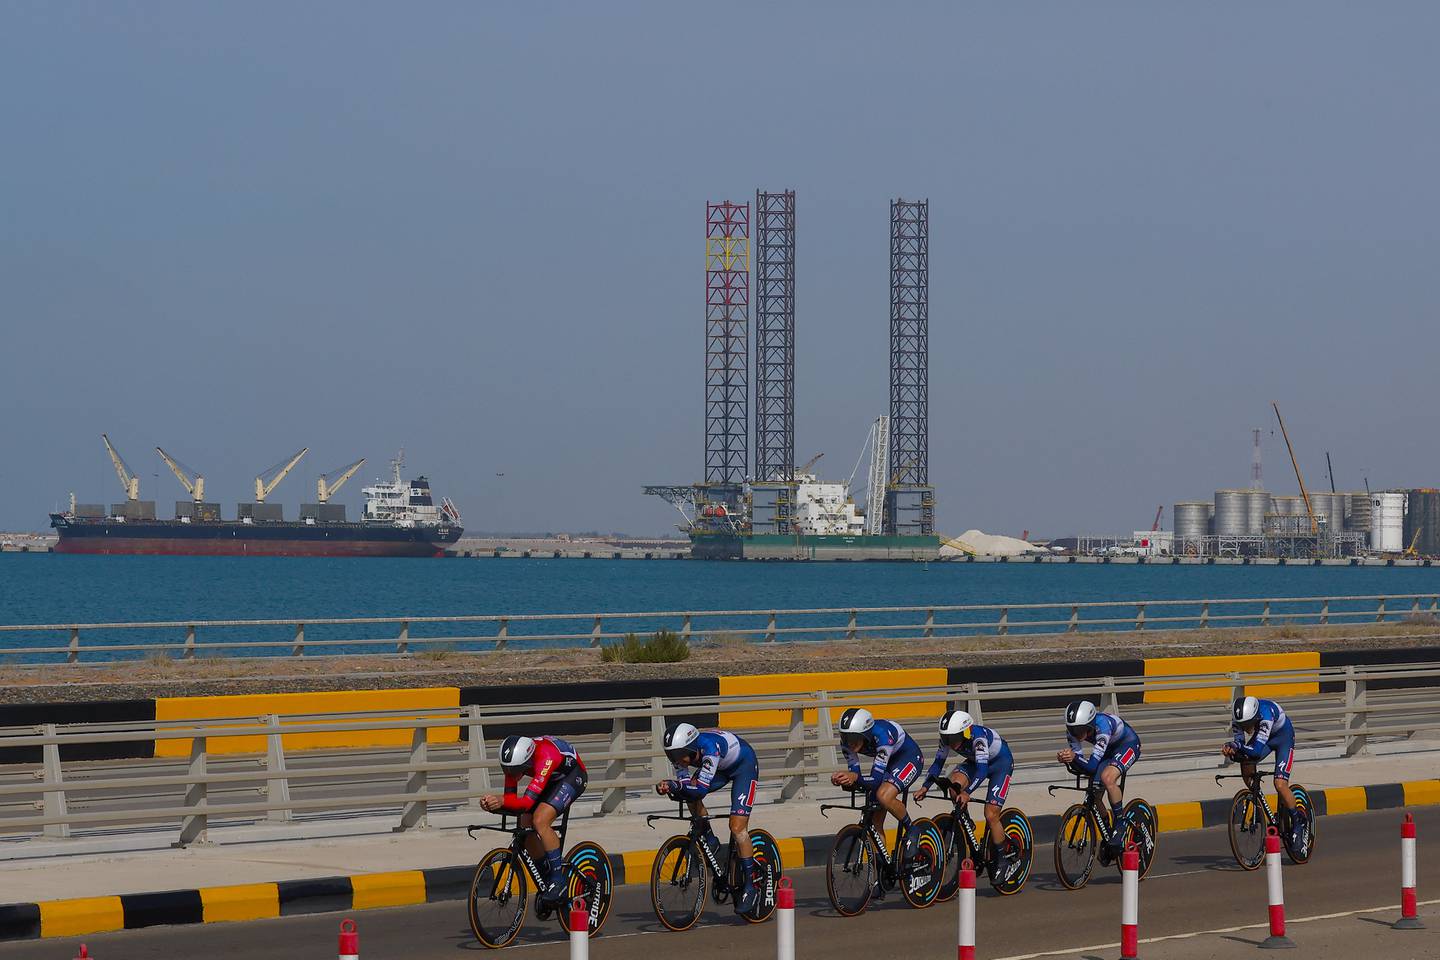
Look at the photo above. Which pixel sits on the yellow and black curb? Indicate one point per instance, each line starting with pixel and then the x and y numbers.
pixel 367 891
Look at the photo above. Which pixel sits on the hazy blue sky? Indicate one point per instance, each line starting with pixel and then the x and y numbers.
pixel 476 229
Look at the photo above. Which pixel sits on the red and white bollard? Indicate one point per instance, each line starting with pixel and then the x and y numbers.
pixel 349 940
pixel 1409 916
pixel 785 920
pixel 967 910
pixel 579 930
pixel 83 954
pixel 1277 939
pixel 1130 902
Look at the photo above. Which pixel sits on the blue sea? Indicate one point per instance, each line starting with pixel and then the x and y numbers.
pixel 58 589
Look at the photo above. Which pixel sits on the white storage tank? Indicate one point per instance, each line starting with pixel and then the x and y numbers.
pixel 1387 522
pixel 1257 505
pixel 1232 513
pixel 1192 519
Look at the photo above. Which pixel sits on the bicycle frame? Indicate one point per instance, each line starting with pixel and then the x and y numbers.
pixel 1255 791
pixel 712 863
pixel 518 836
pixel 961 811
pixel 867 823
pixel 1093 791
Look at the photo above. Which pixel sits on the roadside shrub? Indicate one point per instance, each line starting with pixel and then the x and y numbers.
pixel 663 647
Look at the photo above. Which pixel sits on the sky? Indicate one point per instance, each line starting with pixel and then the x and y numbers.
pixel 475 231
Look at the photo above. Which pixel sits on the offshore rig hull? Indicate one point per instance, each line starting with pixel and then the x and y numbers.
pixel 717 545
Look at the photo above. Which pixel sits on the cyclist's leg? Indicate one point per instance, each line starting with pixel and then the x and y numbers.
pixel 998 774
pixel 1110 775
pixel 555 802
pixel 1284 747
pixel 743 781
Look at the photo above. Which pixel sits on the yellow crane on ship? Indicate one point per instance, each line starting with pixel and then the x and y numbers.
pixel 325 487
pixel 128 480
pixel 263 487
pixel 191 480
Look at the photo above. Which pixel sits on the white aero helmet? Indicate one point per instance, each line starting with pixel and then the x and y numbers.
pixel 855 725
pixel 1245 709
pixel 954 726
pixel 680 740
pixel 516 752
pixel 1080 713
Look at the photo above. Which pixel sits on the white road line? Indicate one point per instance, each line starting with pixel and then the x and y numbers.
pixel 1202 933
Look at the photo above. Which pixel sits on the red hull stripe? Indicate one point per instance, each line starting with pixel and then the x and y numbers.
pixel 245 548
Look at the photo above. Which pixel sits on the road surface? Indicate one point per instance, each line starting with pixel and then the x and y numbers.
pixel 1196 896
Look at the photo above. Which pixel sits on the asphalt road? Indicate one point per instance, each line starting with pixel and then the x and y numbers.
pixel 1195 897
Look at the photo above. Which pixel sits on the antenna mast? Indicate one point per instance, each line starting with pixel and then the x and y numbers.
pixel 1256 480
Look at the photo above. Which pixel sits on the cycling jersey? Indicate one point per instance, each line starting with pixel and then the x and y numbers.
pixel 897 757
pixel 1273 732
pixel 723 759
pixel 557 777
pixel 983 755
pixel 1115 744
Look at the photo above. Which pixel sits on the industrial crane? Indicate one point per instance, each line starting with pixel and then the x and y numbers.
pixel 325 488
pixel 1156 525
pixel 810 463
pixel 195 486
pixel 276 473
pixel 128 480
pixel 1314 527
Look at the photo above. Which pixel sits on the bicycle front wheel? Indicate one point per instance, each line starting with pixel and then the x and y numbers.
pixel 590 879
pixel 1247 830
pixel 497 898
pixel 677 883
pixel 851 871
pixel 951 843
pixel 1075 844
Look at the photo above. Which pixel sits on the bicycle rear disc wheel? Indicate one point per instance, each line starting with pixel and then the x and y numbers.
pixel 677 883
pixel 588 878
pixel 923 871
pixel 950 876
pixel 1304 802
pixel 851 871
pixel 497 898
pixel 1247 830
pixel 1075 844
pixel 1016 827
pixel 1144 830
pixel 767 861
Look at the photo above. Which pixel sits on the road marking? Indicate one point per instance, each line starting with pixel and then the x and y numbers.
pixel 1203 933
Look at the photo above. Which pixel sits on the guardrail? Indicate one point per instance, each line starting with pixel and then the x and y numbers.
pixel 211 787
pixel 298 638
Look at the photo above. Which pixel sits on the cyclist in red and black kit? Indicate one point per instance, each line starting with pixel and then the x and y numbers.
pixel 557 778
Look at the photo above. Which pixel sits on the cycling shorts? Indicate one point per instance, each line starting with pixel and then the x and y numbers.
pixel 564 789
pixel 997 774
pixel 904 768
pixel 1283 745
pixel 1123 759
pixel 742 780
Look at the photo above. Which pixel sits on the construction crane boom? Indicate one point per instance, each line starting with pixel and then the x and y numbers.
pixel 128 480
pixel 195 486
pixel 1314 527
pixel 810 463
pixel 325 488
pixel 1156 525
pixel 277 473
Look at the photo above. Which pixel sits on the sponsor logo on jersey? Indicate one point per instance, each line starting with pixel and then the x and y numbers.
pixel 906 772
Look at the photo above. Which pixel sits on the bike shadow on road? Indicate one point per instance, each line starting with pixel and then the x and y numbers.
pixel 1208 861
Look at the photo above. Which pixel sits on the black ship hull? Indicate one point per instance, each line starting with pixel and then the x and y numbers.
pixel 260 539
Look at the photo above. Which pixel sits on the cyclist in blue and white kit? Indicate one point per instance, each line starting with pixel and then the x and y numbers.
pixel 705 761
pixel 895 768
pixel 1261 727
pixel 984 755
pixel 1114 746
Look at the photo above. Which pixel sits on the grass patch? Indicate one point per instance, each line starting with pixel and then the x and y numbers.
pixel 663 647
pixel 437 653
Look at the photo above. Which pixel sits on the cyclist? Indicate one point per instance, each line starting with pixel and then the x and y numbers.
pixel 704 762
pixel 557 777
pixel 1261 727
pixel 984 755
pixel 1114 746
pixel 895 768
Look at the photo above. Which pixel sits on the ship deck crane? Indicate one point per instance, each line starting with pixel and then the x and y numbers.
pixel 810 463
pixel 276 473
pixel 128 480
pixel 325 488
pixel 194 485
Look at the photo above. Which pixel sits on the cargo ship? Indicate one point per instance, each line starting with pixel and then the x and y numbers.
pixel 401 519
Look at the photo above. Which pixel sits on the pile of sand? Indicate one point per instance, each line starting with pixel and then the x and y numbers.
pixel 987 545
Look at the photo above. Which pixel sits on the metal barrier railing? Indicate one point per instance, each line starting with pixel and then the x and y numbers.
pixel 180 638
pixel 192 791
